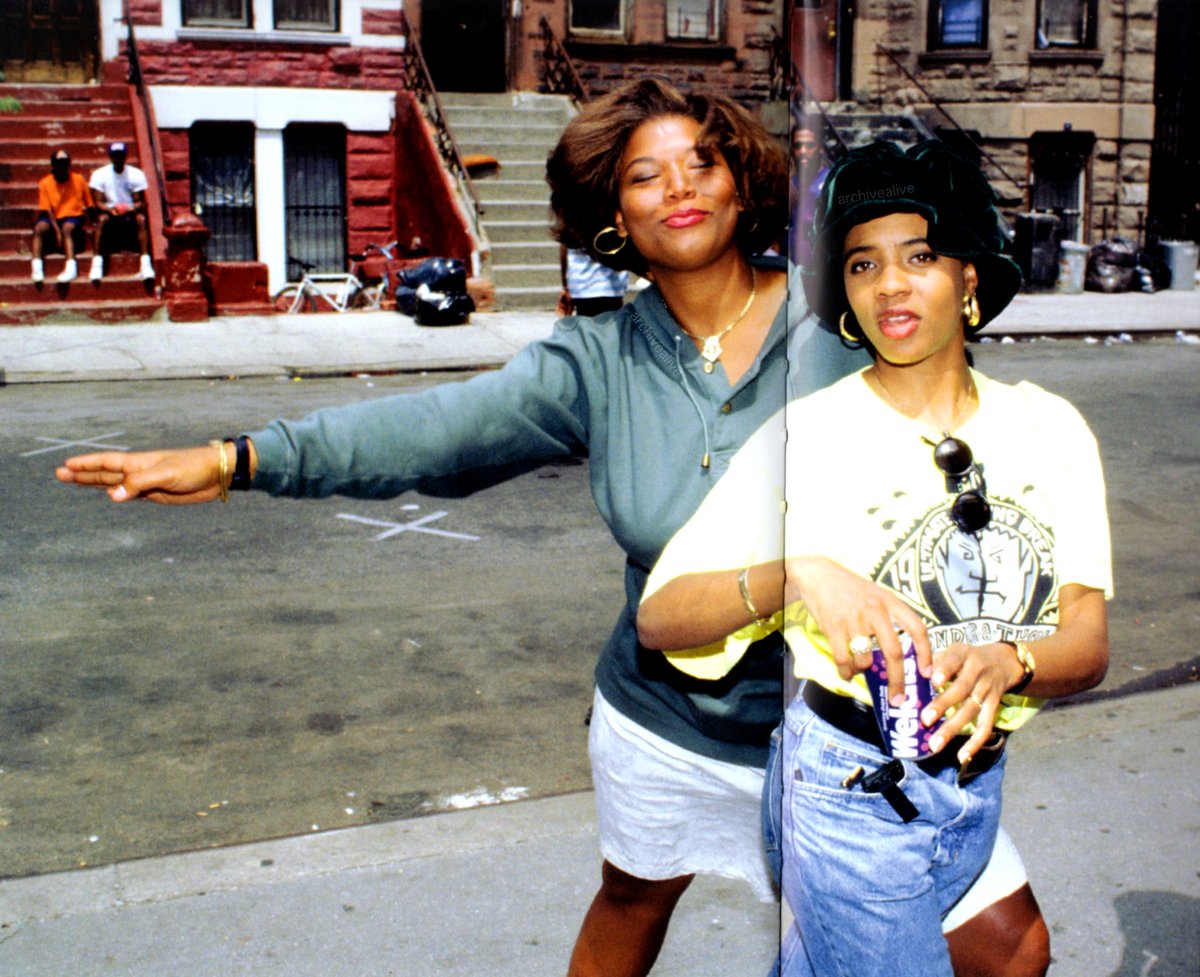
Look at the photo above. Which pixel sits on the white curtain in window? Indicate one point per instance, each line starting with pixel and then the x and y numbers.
pixel 696 19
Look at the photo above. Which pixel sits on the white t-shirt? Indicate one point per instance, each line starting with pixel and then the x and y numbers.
pixel 860 487
pixel 118 188
pixel 588 279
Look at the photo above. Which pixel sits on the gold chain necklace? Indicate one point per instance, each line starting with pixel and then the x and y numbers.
pixel 711 350
pixel 972 394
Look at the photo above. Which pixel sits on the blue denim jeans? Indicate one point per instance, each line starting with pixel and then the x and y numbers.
pixel 868 890
pixel 772 815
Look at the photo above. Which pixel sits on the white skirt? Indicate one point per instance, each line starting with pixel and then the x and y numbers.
pixel 664 811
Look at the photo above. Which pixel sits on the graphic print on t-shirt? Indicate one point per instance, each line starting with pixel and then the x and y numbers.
pixel 996 585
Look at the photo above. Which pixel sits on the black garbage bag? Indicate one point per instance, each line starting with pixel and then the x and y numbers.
pixel 435 292
pixel 443 308
pixel 1111 266
pixel 1151 273
pixel 440 274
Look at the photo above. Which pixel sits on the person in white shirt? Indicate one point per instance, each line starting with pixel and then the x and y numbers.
pixel 120 194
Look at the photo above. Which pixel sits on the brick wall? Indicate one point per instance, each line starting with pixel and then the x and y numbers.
pixel 292 66
pixel 737 63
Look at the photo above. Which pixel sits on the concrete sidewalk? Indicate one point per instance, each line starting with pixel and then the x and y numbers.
pixel 299 345
pixel 1103 800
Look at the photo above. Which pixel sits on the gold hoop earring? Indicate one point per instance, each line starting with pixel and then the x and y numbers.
pixel 971 311
pixel 849 337
pixel 609 230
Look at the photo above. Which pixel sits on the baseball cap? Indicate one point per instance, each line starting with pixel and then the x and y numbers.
pixel 117 147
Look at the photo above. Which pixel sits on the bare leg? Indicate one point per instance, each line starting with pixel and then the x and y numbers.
pixel 1007 939
pixel 142 234
pixel 624 928
pixel 40 229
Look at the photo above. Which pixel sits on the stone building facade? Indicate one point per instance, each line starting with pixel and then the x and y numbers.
pixel 1059 93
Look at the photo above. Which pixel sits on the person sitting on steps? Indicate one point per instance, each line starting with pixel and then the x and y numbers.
pixel 63 202
pixel 120 193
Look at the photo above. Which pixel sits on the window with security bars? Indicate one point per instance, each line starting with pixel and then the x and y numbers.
pixel 596 15
pixel 958 24
pixel 1066 23
pixel 222 157
pixel 314 189
pixel 693 20
pixel 306 15
pixel 216 13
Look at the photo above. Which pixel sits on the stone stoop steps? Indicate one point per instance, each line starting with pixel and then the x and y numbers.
pixel 519 129
pixel 83 119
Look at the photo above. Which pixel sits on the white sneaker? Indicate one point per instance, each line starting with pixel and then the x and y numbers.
pixel 147 268
pixel 97 271
pixel 38 275
pixel 69 273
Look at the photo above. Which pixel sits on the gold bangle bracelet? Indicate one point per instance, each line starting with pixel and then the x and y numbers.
pixel 743 581
pixel 222 470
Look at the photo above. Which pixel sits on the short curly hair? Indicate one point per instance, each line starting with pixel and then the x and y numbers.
pixel 584 168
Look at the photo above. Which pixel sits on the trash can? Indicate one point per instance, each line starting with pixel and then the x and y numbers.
pixel 1072 267
pixel 1180 257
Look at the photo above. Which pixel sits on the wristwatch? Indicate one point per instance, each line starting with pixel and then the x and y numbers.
pixel 1025 657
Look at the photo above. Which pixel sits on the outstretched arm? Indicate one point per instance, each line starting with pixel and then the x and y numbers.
pixel 175 477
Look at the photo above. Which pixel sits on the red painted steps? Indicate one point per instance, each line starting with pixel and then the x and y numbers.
pixel 84 120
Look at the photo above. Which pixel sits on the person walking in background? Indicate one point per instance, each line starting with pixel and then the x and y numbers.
pixel 120 194
pixel 809 170
pixel 63 202
pixel 589 288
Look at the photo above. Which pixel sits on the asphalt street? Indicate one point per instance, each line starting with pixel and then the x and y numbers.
pixel 207 675
pixel 189 679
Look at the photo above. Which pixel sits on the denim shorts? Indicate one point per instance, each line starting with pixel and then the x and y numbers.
pixel 868 891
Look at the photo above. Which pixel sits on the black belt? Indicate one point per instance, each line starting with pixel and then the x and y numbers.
pixel 858 720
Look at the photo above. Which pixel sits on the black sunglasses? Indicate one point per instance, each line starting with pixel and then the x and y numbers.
pixel 971 511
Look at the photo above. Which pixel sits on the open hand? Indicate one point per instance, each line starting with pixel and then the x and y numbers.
pixel 177 477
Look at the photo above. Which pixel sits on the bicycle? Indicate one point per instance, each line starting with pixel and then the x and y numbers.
pixel 335 291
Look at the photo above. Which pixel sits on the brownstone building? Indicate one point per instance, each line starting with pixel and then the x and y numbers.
pixel 1066 99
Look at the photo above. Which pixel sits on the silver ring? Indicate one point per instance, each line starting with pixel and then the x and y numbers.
pixel 860 644
pixel 975 700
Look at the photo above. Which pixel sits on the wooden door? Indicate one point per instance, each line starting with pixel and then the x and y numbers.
pixel 50 40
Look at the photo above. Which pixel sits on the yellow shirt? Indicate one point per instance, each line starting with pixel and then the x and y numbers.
pixel 858 484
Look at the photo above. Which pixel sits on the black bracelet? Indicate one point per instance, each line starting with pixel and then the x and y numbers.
pixel 241 467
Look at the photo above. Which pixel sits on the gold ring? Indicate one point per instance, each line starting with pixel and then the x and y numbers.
pixel 975 700
pixel 860 644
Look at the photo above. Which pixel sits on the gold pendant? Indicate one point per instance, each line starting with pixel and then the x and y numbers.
pixel 712 348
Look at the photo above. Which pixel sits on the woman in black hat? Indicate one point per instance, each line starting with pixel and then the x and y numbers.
pixel 926 505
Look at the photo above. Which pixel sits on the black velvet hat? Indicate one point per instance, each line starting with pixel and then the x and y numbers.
pixel 929 179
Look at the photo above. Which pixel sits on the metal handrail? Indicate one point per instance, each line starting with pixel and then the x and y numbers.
pixel 1019 184
pixel 559 74
pixel 419 81
pixel 159 215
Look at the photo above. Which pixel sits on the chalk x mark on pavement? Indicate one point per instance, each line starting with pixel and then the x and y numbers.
pixel 413 525
pixel 57 444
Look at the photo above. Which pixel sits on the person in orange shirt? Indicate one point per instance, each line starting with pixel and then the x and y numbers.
pixel 64 199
